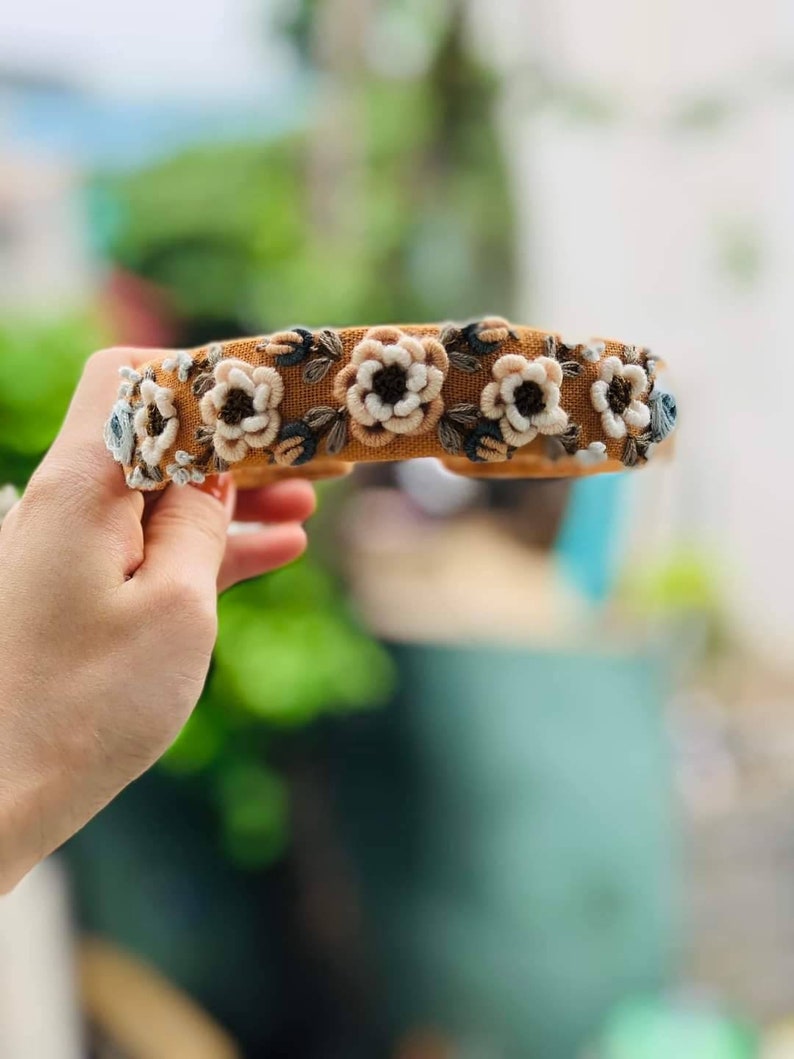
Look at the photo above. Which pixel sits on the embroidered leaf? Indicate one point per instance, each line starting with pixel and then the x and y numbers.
pixel 571 368
pixel 152 472
pixel 316 370
pixel 451 337
pixel 204 435
pixel 449 437
pixel 337 436
pixel 550 344
pixel 630 453
pixel 570 438
pixel 329 341
pixel 465 415
pixel 644 442
pixel 464 361
pixel 219 465
pixel 202 384
pixel 320 418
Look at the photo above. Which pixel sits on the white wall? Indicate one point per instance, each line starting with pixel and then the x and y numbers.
pixel 628 226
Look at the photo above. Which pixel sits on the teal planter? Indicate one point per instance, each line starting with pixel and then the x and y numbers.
pixel 511 822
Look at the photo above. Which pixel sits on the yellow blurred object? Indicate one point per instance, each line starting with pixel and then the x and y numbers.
pixel 141 1012
pixel 778 1043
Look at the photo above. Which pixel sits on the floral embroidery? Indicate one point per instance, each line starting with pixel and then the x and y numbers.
pixel 181 363
pixel 317 351
pixel 391 386
pixel 595 453
pixel 524 398
pixel 119 429
pixel 240 410
pixel 466 345
pixel 485 444
pixel 664 413
pixel 155 421
pixel 616 396
pixel 182 470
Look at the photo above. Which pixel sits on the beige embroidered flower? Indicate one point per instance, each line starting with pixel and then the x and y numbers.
pixel 392 385
pixel 616 396
pixel 241 409
pixel 155 422
pixel 524 398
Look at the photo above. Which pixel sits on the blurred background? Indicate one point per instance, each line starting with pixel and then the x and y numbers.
pixel 498 770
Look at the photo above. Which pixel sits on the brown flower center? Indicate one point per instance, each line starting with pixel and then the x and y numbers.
pixel 237 406
pixel 390 383
pixel 156 422
pixel 619 395
pixel 529 399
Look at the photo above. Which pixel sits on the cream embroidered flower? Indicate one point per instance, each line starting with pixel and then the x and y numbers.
pixel 241 409
pixel 616 396
pixel 392 384
pixel 525 398
pixel 156 423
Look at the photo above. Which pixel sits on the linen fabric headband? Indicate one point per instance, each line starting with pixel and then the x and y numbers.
pixel 487 398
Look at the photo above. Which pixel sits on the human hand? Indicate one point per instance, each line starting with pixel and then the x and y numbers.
pixel 108 618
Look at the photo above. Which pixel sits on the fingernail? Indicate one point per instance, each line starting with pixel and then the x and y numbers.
pixel 220 486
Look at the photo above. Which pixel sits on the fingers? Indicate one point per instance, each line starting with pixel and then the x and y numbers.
pixel 185 535
pixel 78 454
pixel 251 554
pixel 290 501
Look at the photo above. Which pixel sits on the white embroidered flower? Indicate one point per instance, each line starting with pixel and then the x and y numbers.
pixel 156 423
pixel 525 398
pixel 182 471
pixel 181 362
pixel 595 453
pixel 616 396
pixel 392 384
pixel 241 409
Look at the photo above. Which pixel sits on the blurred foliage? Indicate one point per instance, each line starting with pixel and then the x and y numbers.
pixel 287 652
pixel 33 404
pixel 420 231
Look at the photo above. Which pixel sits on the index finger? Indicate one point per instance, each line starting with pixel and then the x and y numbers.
pixel 79 449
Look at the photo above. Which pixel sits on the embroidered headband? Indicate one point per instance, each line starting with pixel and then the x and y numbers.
pixel 488 398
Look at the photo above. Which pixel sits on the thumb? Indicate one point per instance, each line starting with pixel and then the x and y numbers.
pixel 185 533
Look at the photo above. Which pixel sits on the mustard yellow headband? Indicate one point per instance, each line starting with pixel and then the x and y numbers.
pixel 488 398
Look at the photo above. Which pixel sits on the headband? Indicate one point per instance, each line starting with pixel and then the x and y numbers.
pixel 487 398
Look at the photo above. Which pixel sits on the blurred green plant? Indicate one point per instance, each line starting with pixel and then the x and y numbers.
pixel 40 363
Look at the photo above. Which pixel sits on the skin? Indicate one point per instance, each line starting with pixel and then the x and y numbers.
pixel 108 617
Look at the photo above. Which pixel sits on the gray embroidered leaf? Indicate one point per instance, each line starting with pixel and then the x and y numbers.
pixel 465 415
pixel 630 453
pixel 202 384
pixel 570 438
pixel 320 418
pixel 329 341
pixel 316 370
pixel 450 337
pixel 464 361
pixel 571 368
pixel 550 342
pixel 449 437
pixel 337 436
